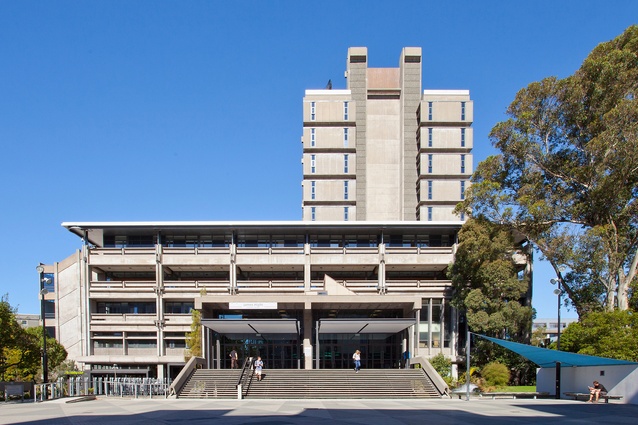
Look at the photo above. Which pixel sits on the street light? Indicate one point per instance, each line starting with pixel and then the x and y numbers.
pixel 43 292
pixel 559 292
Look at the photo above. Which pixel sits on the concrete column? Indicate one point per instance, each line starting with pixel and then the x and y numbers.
pixel 416 335
pixel 306 268
pixel 381 274
pixel 159 282
pixel 307 338
pixel 161 371
pixel 233 267
pixel 218 357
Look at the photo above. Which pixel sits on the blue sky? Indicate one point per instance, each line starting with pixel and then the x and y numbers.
pixel 191 110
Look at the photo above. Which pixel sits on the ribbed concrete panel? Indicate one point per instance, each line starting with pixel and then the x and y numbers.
pixel 411 97
pixel 357 83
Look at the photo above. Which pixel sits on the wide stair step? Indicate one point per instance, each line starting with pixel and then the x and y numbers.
pixel 325 383
pixel 211 383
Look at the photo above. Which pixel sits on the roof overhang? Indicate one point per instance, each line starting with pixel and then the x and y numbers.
pixel 364 326
pixel 252 326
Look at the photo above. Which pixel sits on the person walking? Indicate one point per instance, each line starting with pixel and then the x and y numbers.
pixel 259 365
pixel 233 359
pixel 357 360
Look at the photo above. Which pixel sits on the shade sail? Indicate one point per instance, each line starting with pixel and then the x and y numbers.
pixel 545 357
pixel 364 326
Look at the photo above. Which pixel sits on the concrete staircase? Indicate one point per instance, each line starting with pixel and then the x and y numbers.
pixel 211 383
pixel 325 383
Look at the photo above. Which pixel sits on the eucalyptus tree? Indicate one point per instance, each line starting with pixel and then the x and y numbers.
pixel 567 175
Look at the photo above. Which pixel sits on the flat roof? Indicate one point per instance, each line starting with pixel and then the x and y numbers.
pixel 95 229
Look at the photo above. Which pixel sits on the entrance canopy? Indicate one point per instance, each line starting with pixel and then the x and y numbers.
pixel 363 326
pixel 253 326
pixel 545 357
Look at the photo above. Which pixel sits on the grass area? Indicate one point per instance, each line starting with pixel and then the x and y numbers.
pixel 518 389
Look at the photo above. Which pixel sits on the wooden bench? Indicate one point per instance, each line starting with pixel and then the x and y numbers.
pixel 508 394
pixel 605 397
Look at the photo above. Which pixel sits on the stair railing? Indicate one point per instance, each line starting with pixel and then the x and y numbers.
pixel 245 378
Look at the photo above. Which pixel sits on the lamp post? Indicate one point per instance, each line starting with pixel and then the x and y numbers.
pixel 43 292
pixel 559 292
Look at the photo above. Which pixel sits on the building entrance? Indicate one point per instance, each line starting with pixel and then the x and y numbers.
pixel 377 351
pixel 276 354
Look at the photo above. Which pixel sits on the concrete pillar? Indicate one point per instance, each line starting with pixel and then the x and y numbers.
pixel 161 371
pixel 307 338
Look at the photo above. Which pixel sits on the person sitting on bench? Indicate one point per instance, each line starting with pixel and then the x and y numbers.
pixel 596 391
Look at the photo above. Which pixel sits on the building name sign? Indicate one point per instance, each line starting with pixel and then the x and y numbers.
pixel 252 306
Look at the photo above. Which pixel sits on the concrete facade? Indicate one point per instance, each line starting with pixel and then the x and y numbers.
pixel 123 299
pixel 382 149
pixel 384 164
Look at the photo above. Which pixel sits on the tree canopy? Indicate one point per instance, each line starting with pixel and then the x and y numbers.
pixel 567 175
pixel 605 334
pixel 21 349
pixel 488 283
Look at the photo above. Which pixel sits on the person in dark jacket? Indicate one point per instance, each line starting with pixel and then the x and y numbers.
pixel 596 391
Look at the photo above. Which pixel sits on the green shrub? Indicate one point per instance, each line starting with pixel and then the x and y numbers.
pixel 495 374
pixel 442 365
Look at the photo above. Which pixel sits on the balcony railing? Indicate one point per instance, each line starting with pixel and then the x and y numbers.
pixel 103 318
pixel 123 285
pixel 292 286
pixel 209 286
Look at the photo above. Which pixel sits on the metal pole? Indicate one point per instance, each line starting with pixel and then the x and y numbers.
pixel 467 361
pixel 557 380
pixel 45 365
pixel 560 294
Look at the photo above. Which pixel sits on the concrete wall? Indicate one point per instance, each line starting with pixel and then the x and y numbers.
pixel 619 380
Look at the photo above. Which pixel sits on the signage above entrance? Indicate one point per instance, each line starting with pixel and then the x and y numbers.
pixel 252 306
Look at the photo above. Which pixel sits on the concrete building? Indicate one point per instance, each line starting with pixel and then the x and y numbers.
pixel 300 294
pixel 384 164
pixel 28 320
pixel 550 326
pixel 383 149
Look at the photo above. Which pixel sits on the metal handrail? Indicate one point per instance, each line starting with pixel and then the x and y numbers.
pixel 245 378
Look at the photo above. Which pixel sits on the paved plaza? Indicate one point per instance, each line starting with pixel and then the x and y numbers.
pixel 123 411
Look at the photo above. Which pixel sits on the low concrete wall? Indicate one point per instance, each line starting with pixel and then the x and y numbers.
pixel 187 371
pixel 619 380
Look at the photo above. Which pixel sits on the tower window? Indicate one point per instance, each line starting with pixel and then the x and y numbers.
pixel 312 111
pixel 430 111
pixel 345 111
pixel 429 137
pixel 345 137
pixel 345 163
pixel 430 164
pixel 345 190
pixel 312 189
pixel 430 189
pixel 462 137
pixel 462 111
pixel 462 189
pixel 313 139
pixel 312 164
pixel 463 164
